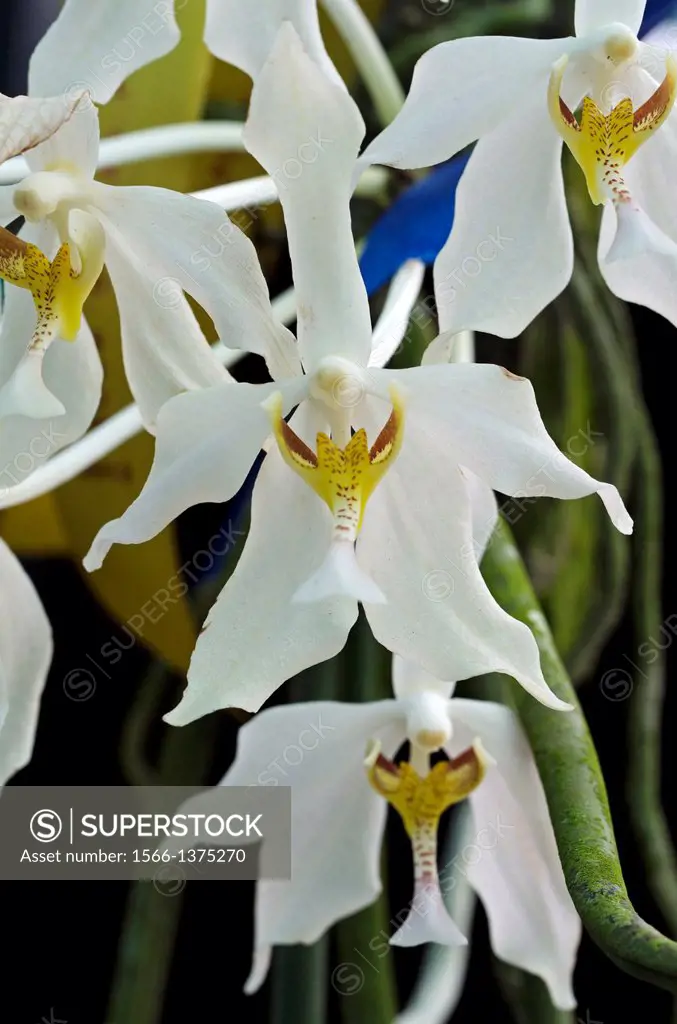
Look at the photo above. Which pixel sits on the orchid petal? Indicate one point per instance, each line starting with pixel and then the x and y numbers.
pixel 518 876
pixel 206 444
pixel 26 121
pixel 97 46
pixel 331 798
pixel 495 428
pixel 648 278
pixel 190 244
pixel 416 544
pixel 306 133
pixel 244 36
pixel 75 146
pixel 255 636
pixel 72 373
pixel 593 14
pixel 482 79
pixel 484 512
pixel 25 656
pixel 510 251
pixel 164 349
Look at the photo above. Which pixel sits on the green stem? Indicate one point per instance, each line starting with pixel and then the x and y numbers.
pixel 365 977
pixel 299 984
pixel 574 785
pixel 152 916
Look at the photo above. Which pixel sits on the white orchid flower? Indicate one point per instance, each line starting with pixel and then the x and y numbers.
pixel 318 749
pixel 315 549
pixel 25 657
pixel 156 244
pixel 57 296
pixel 510 251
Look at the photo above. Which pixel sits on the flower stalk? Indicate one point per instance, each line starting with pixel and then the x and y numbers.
pixel 576 792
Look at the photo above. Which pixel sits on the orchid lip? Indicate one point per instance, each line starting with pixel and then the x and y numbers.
pixel 602 144
pixel 344 477
pixel 420 801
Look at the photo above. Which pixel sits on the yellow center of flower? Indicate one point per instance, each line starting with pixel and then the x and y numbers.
pixel 602 144
pixel 344 478
pixel 59 293
pixel 421 802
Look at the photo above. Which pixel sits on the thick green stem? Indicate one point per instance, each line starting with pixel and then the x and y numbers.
pixel 364 977
pixel 575 789
pixel 299 988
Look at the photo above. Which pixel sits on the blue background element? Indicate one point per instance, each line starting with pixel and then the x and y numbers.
pixel 657 11
pixel 416 226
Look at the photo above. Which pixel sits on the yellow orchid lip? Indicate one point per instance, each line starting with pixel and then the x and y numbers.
pixel 421 802
pixel 602 144
pixel 59 293
pixel 344 478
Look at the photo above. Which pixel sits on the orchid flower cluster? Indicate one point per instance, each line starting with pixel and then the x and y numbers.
pixel 375 479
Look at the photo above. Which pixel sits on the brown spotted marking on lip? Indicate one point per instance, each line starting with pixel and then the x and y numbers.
pixel 603 143
pixel 344 478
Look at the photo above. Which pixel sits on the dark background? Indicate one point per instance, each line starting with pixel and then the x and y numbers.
pixel 61 939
